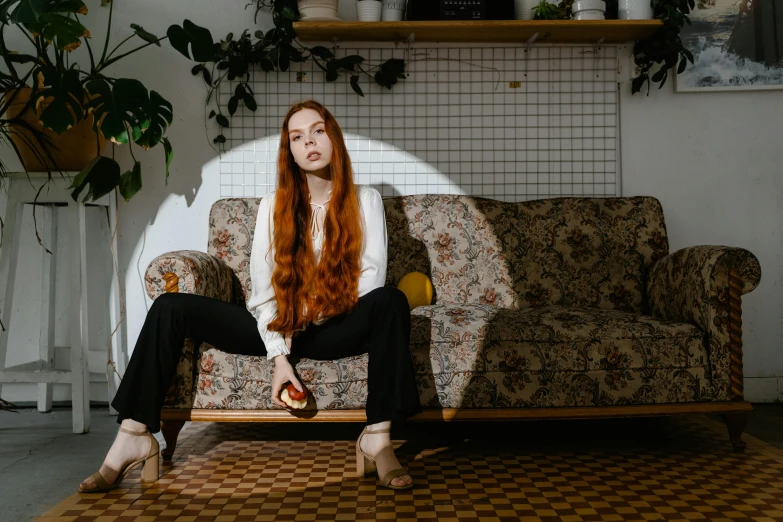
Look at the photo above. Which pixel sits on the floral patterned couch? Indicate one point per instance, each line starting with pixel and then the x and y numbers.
pixel 558 307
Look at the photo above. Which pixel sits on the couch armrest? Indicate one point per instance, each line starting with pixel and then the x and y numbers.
pixel 190 272
pixel 703 285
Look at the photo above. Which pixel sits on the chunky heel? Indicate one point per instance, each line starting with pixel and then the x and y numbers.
pixel 366 464
pixel 150 470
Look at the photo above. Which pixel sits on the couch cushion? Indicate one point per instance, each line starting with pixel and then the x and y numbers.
pixel 468 338
pixel 549 356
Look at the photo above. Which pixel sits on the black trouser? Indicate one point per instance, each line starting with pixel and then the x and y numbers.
pixel 380 325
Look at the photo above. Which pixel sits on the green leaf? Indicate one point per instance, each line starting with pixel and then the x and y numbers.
pixel 355 85
pixel 192 38
pixel 28 11
pixel 130 182
pixel 64 32
pixel 169 152
pixel 102 174
pixel 219 139
pixel 160 115
pixel 222 120
pixel 250 102
pixel 637 83
pixel 125 102
pixel 681 67
pixel 331 75
pixel 233 103
pixel 65 109
pixel 321 52
pixel 211 114
pixel 289 14
pixel 144 35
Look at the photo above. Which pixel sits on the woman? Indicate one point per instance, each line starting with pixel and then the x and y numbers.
pixel 318 266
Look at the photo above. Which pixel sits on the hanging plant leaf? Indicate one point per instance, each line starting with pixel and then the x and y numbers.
pixel 160 115
pixel 169 152
pixel 102 174
pixel 355 85
pixel 144 35
pixel 190 38
pixel 221 120
pixel 130 182
pixel 219 139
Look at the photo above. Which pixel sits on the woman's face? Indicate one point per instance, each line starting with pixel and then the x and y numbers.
pixel 311 147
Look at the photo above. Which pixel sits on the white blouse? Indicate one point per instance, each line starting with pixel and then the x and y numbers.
pixel 262 303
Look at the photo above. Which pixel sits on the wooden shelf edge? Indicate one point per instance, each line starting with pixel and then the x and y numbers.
pixel 454 414
pixel 488 31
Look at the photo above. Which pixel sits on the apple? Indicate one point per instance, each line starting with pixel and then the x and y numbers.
pixel 296 404
pixel 294 393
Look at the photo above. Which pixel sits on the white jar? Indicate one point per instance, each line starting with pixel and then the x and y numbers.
pixel 369 10
pixel 524 9
pixel 393 10
pixel 588 10
pixel 634 10
pixel 317 10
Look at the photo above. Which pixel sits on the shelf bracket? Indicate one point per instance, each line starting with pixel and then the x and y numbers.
pixel 530 41
pixel 597 45
pixel 410 41
pixel 335 42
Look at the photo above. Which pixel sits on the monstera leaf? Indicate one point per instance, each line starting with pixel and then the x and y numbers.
pixel 67 95
pixel 191 38
pixel 50 19
pixel 159 116
pixel 120 107
pixel 102 174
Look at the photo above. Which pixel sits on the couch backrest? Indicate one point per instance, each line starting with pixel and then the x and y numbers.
pixel 232 223
pixel 587 252
pixel 592 252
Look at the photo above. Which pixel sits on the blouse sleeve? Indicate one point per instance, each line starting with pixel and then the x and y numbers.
pixel 262 303
pixel 373 272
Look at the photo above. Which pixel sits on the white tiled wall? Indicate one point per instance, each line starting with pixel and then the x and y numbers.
pixel 455 125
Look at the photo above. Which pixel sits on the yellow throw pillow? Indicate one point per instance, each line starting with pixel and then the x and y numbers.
pixel 417 288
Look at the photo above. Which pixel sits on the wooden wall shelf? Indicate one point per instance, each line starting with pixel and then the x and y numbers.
pixel 508 31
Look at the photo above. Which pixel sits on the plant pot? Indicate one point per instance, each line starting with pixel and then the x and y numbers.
pixel 75 147
pixel 634 10
pixel 588 10
pixel 369 10
pixel 524 9
pixel 393 10
pixel 317 10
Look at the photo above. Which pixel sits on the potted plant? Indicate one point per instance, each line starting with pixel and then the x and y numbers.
pixel 45 94
pixel 369 10
pixel 664 46
pixel 232 59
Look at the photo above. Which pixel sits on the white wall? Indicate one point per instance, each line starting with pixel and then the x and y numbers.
pixel 708 157
pixel 713 161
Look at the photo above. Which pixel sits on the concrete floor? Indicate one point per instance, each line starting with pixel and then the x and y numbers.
pixel 42 462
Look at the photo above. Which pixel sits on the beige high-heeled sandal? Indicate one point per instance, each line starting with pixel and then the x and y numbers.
pixel 366 464
pixel 149 471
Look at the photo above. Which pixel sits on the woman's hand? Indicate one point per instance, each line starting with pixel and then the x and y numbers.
pixel 282 374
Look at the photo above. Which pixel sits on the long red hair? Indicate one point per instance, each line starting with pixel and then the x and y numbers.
pixel 330 287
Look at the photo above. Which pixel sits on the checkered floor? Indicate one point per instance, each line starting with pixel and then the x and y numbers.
pixel 622 469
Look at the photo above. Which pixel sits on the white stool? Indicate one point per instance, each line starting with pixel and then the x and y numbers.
pixel 20 192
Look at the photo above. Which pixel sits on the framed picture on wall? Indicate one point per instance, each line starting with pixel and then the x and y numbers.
pixel 736 45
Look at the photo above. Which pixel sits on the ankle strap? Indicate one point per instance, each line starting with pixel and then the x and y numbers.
pixel 384 430
pixel 131 432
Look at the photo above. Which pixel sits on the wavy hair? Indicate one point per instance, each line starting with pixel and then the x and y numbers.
pixel 331 286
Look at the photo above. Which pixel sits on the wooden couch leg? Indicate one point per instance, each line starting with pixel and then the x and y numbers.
pixel 170 430
pixel 736 423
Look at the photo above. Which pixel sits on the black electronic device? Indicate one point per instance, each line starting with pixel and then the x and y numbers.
pixel 463 10
pixel 460 10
